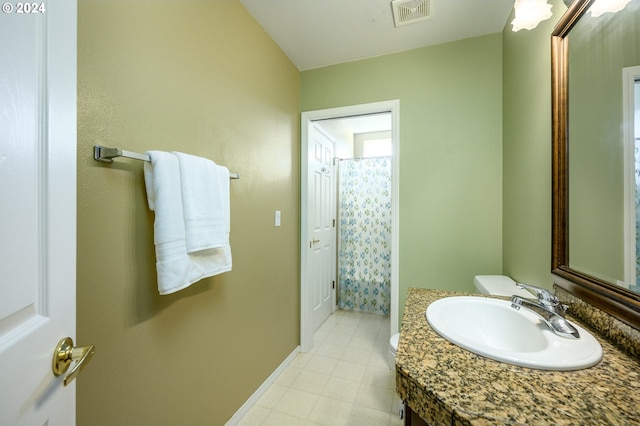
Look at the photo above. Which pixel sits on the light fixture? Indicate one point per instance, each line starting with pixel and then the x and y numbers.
pixel 529 13
pixel 603 6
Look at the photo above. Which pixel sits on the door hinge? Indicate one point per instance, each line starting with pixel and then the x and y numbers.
pixel 334 223
pixel 333 285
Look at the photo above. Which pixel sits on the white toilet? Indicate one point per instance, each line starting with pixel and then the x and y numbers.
pixel 393 349
pixel 498 285
pixel 391 358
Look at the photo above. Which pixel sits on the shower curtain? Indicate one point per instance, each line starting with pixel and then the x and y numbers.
pixel 364 235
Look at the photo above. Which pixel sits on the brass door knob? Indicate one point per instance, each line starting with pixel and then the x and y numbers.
pixel 65 352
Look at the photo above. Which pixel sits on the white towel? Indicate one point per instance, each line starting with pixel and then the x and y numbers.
pixel 176 268
pixel 205 200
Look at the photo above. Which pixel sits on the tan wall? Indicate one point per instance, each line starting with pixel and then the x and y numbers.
pixel 200 77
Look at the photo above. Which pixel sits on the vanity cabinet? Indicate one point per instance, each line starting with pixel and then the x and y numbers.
pixel 445 384
pixel 411 418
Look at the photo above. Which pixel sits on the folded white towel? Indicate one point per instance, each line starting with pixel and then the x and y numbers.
pixel 205 200
pixel 176 268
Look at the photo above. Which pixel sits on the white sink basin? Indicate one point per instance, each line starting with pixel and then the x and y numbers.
pixel 492 328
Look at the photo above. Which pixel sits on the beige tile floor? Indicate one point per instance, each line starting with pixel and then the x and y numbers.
pixel 344 380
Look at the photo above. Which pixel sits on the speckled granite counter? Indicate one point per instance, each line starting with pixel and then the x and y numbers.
pixel 445 384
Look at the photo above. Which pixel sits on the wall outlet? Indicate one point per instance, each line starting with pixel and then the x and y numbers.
pixel 277 217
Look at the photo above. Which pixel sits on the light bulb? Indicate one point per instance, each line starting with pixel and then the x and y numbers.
pixel 529 13
pixel 601 7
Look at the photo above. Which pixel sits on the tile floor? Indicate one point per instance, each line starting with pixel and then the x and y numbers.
pixel 344 380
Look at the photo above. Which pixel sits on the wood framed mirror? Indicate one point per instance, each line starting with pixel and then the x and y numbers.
pixel 603 293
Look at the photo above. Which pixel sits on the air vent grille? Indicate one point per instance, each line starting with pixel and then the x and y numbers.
pixel 410 11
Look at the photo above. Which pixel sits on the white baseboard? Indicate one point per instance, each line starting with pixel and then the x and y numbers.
pixel 262 389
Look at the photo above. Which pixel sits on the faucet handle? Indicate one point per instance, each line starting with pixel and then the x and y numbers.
pixel 542 294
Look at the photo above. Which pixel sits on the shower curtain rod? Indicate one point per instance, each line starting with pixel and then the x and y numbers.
pixel 366 114
pixel 363 158
pixel 106 154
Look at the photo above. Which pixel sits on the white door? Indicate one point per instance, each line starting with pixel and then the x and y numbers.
pixel 322 214
pixel 631 137
pixel 38 208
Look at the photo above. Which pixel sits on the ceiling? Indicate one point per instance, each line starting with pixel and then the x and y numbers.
pixel 317 33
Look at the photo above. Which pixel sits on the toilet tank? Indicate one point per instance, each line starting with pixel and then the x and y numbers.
pixel 498 285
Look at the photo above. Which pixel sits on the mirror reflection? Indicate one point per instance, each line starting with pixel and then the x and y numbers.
pixel 604 158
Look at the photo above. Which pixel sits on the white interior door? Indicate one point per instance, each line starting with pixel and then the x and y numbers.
pixel 322 231
pixel 630 132
pixel 38 208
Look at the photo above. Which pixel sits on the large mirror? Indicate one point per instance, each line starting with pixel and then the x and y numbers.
pixel 596 93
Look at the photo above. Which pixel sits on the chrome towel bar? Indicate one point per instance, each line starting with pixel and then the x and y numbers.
pixel 106 154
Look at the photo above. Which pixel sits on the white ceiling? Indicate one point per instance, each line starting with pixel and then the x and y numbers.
pixel 317 33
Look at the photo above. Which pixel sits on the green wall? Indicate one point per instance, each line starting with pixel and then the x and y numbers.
pixel 527 151
pixel 450 152
pixel 596 180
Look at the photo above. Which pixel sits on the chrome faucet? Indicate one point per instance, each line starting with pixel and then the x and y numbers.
pixel 548 307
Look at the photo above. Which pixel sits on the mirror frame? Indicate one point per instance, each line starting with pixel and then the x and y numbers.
pixel 619 302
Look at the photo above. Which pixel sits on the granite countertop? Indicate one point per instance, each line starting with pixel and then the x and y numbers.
pixel 445 384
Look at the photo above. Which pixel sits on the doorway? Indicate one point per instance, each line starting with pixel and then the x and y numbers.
pixel 310 120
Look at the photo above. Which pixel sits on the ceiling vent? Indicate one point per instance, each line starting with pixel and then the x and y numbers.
pixel 407 12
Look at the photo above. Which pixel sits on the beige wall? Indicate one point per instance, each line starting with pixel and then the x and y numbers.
pixel 200 77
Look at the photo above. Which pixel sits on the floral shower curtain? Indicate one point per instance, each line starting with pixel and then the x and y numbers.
pixel 364 235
